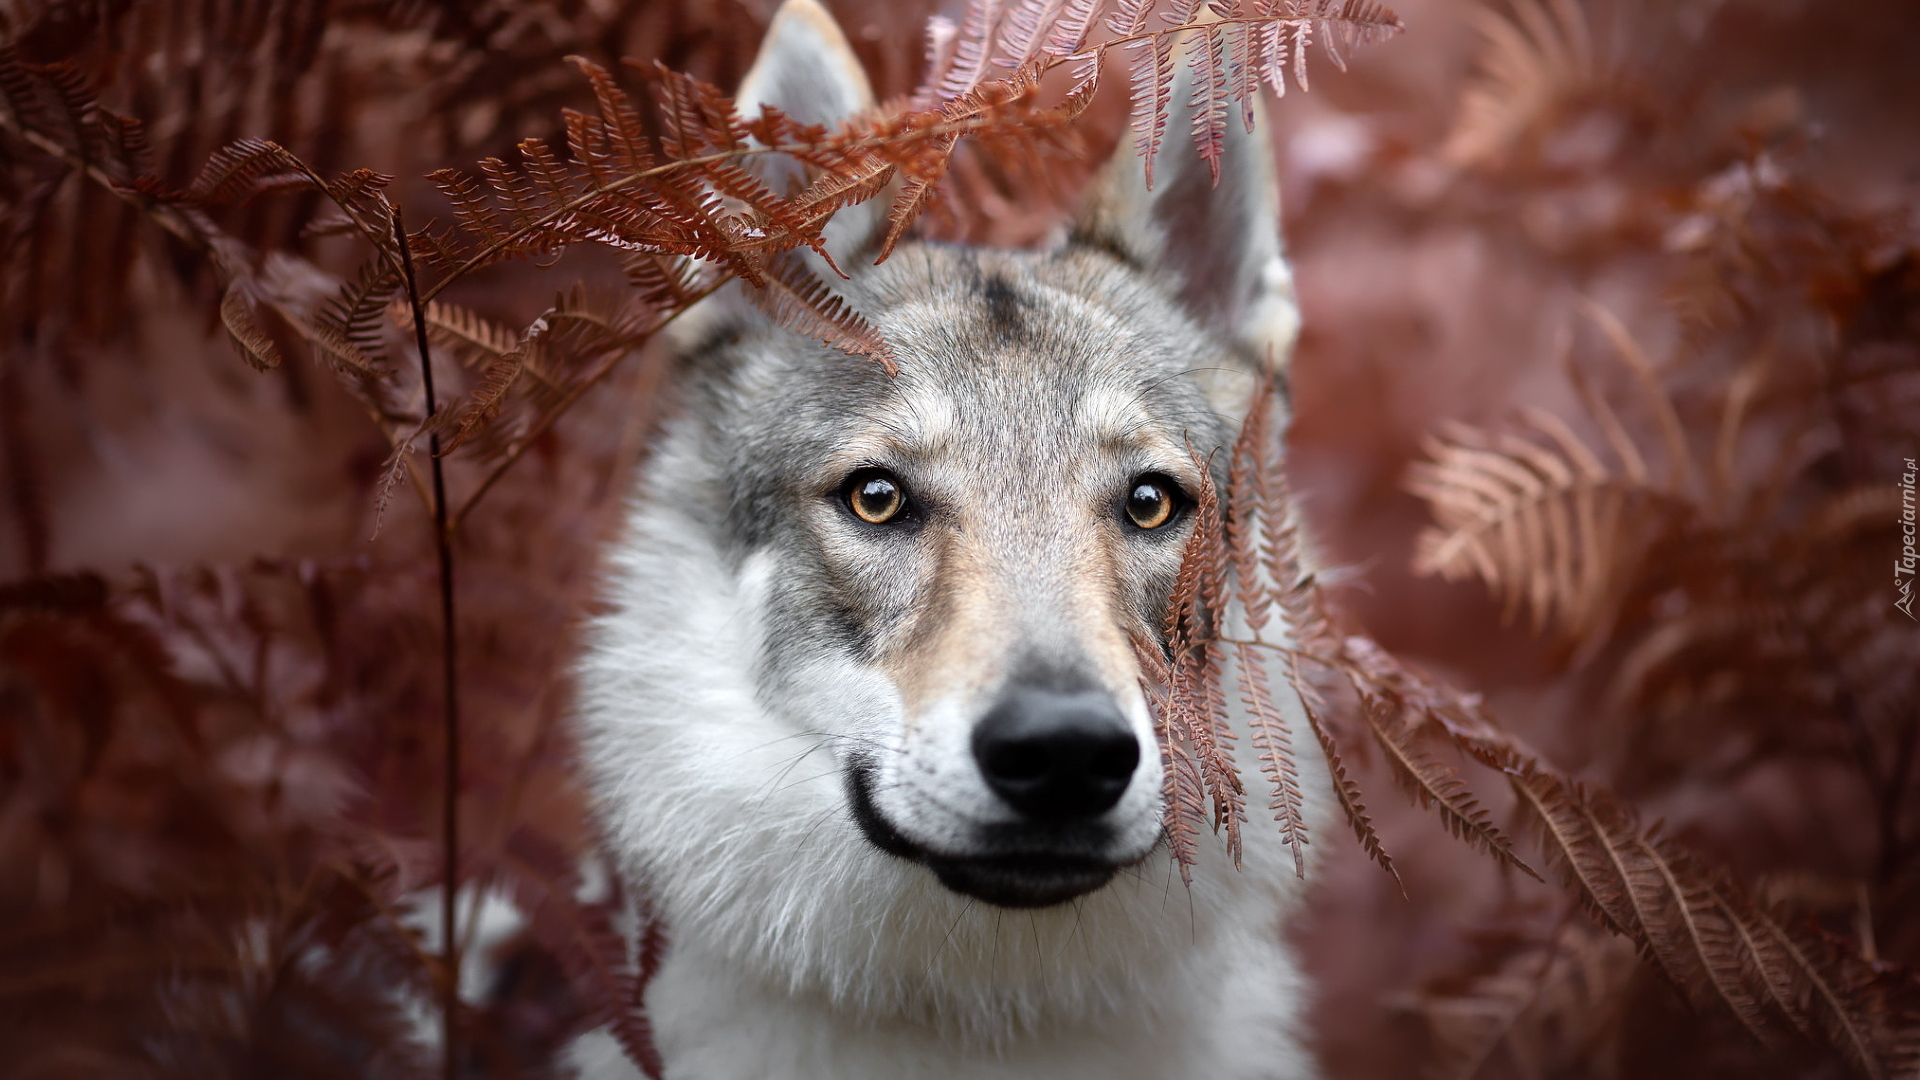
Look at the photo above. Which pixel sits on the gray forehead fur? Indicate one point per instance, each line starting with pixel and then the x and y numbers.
pixel 990 335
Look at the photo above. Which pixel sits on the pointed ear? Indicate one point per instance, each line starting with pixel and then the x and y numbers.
pixel 1215 248
pixel 807 70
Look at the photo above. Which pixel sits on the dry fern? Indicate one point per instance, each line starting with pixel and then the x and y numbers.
pixel 1712 941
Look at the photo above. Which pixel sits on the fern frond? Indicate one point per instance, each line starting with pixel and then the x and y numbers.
pixel 1634 358
pixel 1209 101
pixel 471 205
pixel 1070 27
pixel 239 313
pixel 1273 743
pixel 470 338
pixel 942 45
pixel 1433 784
pixel 1534 61
pixel 1704 935
pixel 971 55
pixel 350 331
pixel 1549 1006
pixel 1024 31
pixel 244 169
pixel 1129 17
pixel 619 123
pixel 1152 80
pixel 797 300
pixel 1347 793
pixel 1548 527
pixel 599 961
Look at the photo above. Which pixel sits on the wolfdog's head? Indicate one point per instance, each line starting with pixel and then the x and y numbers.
pixel 858 611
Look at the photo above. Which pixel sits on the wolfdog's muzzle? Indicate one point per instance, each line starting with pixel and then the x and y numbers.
pixel 1059 758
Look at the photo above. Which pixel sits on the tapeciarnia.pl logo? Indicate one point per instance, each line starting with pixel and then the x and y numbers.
pixel 1903 567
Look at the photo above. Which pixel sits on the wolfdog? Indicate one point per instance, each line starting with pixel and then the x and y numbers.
pixel 864 716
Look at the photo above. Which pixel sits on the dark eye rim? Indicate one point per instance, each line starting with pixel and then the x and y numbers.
pixel 1176 493
pixel 908 512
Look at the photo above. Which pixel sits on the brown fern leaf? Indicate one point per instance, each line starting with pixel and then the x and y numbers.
pixel 697 116
pixel 1347 792
pixel 1070 27
pixel 394 469
pixel 1707 937
pixel 1351 24
pixel 557 184
pixel 971 52
pixel 1300 37
pixel 921 145
pixel 1273 743
pixel 360 195
pixel 1636 361
pixel 1271 51
pixel 1152 81
pixel 666 284
pixel 1255 516
pixel 1024 30
pixel 1536 58
pixel 1214 739
pixel 239 312
pixel 942 42
pixel 1866 1016
pixel 797 300
pixel 1433 784
pixel 1243 70
pixel 1210 98
pixel 1550 528
pixel 1182 790
pixel 1552 1007
pixel 519 202
pixel 471 205
pixel 471 339
pixel 1199 663
pixel 498 380
pixel 246 168
pixel 918 192
pixel 597 959
pixel 1129 17
pixel 1182 13
pixel 701 124
pixel 1697 939
pixel 619 122
pixel 439 248
pixel 1251 511
pixel 850 182
pixel 350 332
pixel 1180 783
pixel 1457 716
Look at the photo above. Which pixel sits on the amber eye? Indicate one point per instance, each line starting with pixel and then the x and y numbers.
pixel 874 495
pixel 1151 502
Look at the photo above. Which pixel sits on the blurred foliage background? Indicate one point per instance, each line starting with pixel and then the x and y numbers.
pixel 1686 231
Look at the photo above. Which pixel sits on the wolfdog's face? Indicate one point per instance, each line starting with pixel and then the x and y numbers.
pixel 957 560
pixel 938 578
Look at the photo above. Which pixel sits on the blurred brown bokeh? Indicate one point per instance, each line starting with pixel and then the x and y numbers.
pixel 219 703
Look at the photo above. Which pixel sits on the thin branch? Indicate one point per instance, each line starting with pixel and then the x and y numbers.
pixel 449 668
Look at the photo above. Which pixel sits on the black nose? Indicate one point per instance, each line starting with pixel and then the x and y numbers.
pixel 1053 754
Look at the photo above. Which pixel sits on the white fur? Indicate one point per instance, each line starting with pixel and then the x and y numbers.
pixel 798 950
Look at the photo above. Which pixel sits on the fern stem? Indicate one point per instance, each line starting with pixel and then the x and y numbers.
pixel 449 670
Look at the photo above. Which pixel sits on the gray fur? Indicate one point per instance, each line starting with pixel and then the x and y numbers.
pixel 764 649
